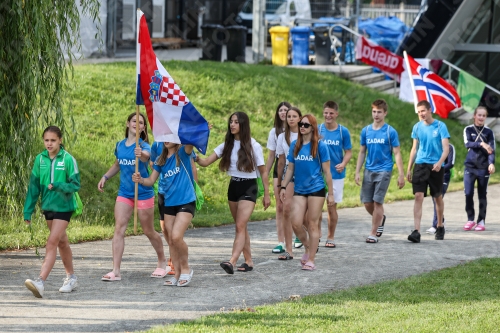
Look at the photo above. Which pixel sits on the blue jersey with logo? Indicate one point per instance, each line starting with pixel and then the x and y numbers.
pixel 337 141
pixel 379 144
pixel 126 159
pixel 177 186
pixel 430 147
pixel 307 171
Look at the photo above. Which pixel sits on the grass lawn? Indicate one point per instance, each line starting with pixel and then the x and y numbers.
pixel 103 95
pixel 459 299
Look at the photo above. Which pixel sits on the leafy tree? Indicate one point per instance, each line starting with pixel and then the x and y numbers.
pixel 36 38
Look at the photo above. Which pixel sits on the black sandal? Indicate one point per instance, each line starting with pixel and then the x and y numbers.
pixel 285 256
pixel 380 230
pixel 227 266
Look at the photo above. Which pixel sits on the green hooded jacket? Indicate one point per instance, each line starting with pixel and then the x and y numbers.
pixel 62 172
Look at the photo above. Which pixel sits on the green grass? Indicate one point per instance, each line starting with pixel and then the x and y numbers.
pixel 459 299
pixel 102 96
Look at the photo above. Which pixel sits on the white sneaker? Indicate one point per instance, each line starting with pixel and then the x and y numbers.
pixel 431 231
pixel 69 284
pixel 36 287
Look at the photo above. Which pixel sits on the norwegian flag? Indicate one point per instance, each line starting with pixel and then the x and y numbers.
pixel 431 87
pixel 172 116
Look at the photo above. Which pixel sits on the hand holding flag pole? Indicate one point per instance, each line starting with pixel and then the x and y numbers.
pixel 172 117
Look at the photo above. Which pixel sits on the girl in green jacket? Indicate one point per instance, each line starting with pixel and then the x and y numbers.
pixel 55 176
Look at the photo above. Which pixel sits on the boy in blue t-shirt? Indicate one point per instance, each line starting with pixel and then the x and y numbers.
pixel 378 142
pixel 338 140
pixel 429 152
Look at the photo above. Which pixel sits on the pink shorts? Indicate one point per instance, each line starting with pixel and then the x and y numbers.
pixel 141 204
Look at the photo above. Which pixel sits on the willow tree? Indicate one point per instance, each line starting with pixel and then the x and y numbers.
pixel 36 39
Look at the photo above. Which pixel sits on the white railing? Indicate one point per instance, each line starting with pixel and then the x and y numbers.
pixel 405 13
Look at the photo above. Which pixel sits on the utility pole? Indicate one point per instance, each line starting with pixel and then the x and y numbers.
pixel 258 30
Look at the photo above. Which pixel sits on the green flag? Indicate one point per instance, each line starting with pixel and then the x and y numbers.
pixel 470 91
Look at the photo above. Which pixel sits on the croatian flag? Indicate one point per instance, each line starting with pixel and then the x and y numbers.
pixel 431 87
pixel 172 116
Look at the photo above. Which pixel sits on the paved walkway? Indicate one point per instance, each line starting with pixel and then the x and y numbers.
pixel 139 302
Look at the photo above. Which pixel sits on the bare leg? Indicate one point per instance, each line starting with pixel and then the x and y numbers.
pixel 439 210
pixel 280 228
pixel 314 211
pixel 299 207
pixel 333 218
pixel 180 224
pixel 241 212
pixel 287 219
pixel 146 217
pixel 417 210
pixel 57 234
pixel 122 215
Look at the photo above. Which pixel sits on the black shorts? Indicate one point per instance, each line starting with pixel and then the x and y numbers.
pixel 65 216
pixel 424 177
pixel 161 202
pixel 275 169
pixel 242 189
pixel 185 208
pixel 320 193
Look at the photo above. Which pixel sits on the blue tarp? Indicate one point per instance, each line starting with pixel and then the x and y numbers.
pixel 386 31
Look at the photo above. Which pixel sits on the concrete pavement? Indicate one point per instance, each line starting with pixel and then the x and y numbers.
pixel 139 302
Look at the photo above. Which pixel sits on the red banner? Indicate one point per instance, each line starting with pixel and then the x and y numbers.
pixel 377 56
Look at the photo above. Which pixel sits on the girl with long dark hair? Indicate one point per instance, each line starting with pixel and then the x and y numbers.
pixel 241 158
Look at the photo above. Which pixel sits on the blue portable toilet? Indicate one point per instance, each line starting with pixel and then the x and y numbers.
pixel 300 45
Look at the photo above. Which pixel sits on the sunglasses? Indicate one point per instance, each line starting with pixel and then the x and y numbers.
pixel 305 125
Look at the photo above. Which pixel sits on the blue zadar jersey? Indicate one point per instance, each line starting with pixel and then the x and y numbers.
pixel 126 159
pixel 379 144
pixel 156 150
pixel 337 141
pixel 177 186
pixel 430 146
pixel 308 173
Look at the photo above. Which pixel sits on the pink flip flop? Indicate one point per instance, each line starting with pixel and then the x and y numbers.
pixel 304 259
pixel 309 266
pixel 159 273
pixel 111 277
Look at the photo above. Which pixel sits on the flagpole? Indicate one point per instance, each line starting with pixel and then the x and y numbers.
pixel 408 69
pixel 136 187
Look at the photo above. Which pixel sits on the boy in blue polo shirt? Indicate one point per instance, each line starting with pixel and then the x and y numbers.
pixel 429 151
pixel 378 142
pixel 338 140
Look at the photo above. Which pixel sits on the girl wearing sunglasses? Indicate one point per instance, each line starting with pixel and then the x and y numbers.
pixel 307 158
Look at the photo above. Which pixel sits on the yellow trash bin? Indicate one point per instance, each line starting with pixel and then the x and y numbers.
pixel 279 42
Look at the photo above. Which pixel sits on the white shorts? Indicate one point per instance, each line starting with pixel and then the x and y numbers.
pixel 338 190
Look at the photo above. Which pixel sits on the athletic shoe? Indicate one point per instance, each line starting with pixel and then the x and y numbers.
pixel 297 243
pixel 431 231
pixel 36 287
pixel 414 236
pixel 439 233
pixel 69 285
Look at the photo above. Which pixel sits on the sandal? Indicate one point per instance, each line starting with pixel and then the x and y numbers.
pixel 227 266
pixel 469 225
pixel 280 248
pixel 171 282
pixel 285 256
pixel 372 239
pixel 330 244
pixel 380 230
pixel 309 266
pixel 185 277
pixel 304 259
pixel 245 268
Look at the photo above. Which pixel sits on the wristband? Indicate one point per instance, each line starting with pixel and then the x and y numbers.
pixel 283 187
pixel 105 177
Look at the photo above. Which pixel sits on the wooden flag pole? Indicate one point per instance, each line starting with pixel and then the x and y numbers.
pixel 136 190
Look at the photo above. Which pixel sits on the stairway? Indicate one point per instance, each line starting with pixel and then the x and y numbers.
pixel 359 74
